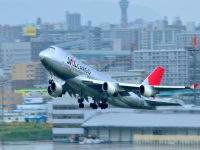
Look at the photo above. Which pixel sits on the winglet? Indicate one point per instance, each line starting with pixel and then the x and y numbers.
pixel 194 86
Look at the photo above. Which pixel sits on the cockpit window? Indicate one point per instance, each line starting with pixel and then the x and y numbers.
pixel 52 47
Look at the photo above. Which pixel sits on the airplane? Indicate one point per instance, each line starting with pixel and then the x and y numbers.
pixel 84 81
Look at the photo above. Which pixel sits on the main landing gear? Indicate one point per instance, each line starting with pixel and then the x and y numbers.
pixel 102 104
pixel 93 105
pixel 80 101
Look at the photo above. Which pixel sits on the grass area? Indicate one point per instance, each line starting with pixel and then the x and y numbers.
pixel 26 131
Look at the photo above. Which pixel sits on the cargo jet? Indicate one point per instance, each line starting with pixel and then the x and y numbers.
pixel 82 81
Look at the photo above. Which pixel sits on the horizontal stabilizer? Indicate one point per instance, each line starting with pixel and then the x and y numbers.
pixel 161 103
pixel 194 86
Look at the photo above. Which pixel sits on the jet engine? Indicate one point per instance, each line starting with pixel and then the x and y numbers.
pixel 109 88
pixel 146 91
pixel 55 89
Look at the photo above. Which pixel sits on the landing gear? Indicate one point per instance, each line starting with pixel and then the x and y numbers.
pixel 93 105
pixel 80 101
pixel 102 104
pixel 81 105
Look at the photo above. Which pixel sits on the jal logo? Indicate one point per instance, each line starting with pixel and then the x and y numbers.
pixel 73 63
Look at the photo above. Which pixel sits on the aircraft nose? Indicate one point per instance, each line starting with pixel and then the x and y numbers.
pixel 42 55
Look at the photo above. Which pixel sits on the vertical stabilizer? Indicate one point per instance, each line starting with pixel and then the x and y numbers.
pixel 155 77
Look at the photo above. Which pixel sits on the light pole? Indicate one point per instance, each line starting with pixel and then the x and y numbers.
pixel 2 115
pixel 193 53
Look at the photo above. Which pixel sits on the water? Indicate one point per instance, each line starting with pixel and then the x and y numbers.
pixel 64 146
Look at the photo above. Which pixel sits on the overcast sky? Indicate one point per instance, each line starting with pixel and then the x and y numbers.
pixel 15 12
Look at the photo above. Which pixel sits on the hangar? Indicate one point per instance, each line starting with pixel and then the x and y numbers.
pixel 124 127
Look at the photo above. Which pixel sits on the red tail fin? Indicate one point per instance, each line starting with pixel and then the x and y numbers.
pixel 155 77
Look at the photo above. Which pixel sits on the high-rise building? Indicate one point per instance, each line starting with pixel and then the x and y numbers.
pixel 177 22
pixel 10 33
pixel 123 4
pixel 13 53
pixel 22 52
pixel 151 38
pixel 126 36
pixel 27 75
pixel 73 21
pixel 39 21
pixel 93 38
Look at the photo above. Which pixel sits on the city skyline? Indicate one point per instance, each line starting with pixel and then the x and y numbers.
pixel 22 11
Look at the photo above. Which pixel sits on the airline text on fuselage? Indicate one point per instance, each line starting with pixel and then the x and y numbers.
pixel 72 62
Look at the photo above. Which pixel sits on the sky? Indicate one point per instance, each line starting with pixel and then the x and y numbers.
pixel 15 12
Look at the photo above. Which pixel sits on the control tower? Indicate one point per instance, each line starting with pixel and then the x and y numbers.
pixel 123 4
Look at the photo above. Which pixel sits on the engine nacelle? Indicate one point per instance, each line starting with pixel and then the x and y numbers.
pixel 55 90
pixel 146 91
pixel 109 88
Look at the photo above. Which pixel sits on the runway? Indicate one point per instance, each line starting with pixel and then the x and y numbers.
pixel 63 146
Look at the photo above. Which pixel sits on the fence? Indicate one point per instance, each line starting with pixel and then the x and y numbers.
pixel 189 140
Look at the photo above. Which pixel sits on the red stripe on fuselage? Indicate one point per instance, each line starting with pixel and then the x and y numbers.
pixel 156 76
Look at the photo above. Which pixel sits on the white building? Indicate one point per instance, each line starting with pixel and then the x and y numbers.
pixel 13 53
pixel 67 118
pixel 184 39
pixel 13 117
pixel 151 38
pixel 190 26
pixel 175 63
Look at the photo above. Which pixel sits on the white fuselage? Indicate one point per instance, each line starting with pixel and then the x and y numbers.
pixel 68 68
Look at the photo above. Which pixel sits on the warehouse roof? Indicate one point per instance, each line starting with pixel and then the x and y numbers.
pixel 143 120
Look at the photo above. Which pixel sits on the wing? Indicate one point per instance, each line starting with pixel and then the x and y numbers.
pixel 124 88
pixel 161 103
pixel 174 88
pixel 158 89
pixel 95 84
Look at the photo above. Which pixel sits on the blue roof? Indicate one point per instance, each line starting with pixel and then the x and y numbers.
pixel 35 117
